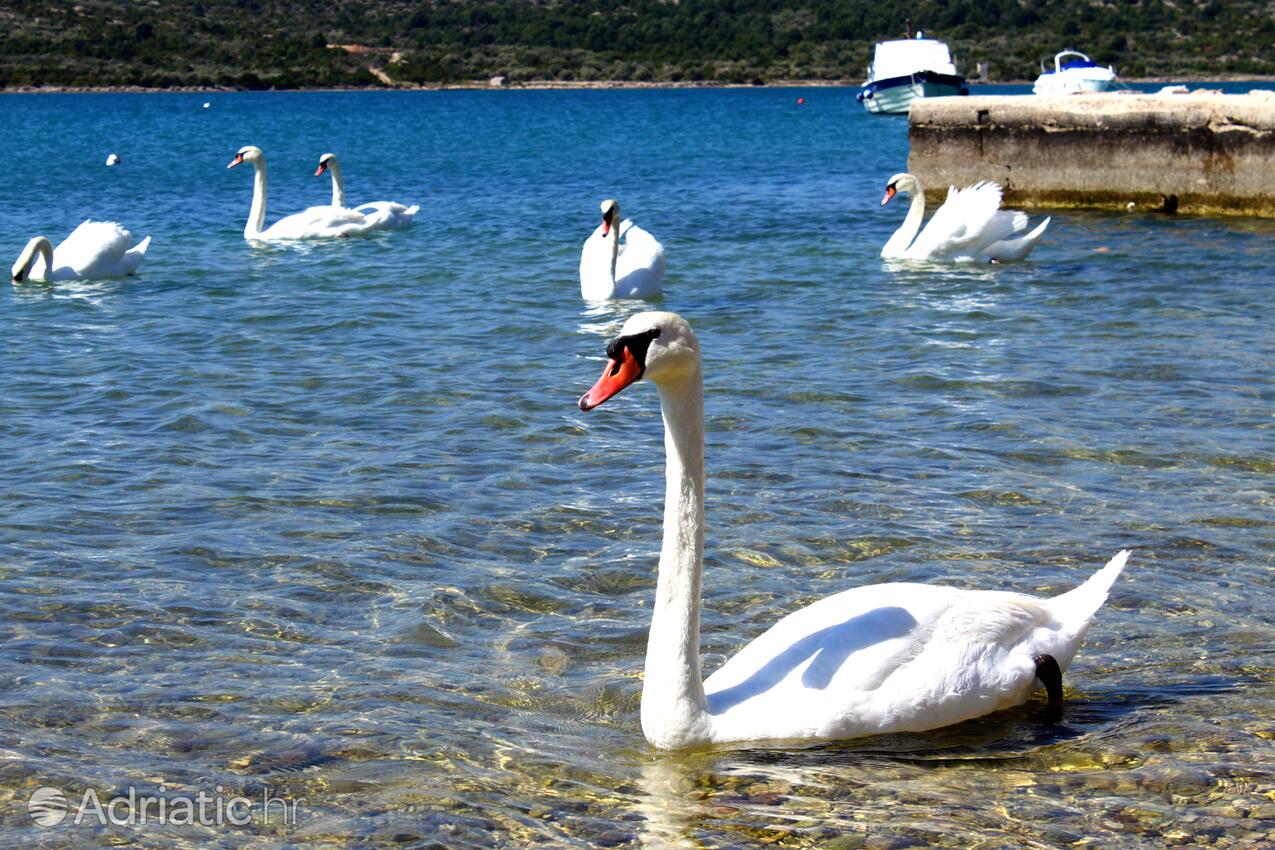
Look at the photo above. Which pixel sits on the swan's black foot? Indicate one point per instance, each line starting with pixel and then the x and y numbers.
pixel 1050 676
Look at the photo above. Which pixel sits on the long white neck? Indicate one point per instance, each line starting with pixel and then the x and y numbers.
pixel 338 188
pixel 907 231
pixel 257 215
pixel 39 247
pixel 615 246
pixel 674 710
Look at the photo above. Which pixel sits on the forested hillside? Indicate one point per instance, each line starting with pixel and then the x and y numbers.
pixel 260 43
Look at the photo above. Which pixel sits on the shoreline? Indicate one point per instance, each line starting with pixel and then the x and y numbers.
pixel 564 85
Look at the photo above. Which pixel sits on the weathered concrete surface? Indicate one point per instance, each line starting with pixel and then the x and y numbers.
pixel 1196 153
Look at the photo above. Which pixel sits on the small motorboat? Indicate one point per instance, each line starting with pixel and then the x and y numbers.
pixel 905 69
pixel 1074 75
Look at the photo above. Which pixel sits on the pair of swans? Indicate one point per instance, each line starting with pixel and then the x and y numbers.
pixel 94 250
pixel 320 222
pixel 875 659
pixel 612 269
pixel 969 226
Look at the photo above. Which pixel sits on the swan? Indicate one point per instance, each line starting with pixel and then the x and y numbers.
pixel 381 215
pixel 95 249
pixel 880 658
pixel 312 223
pixel 970 225
pixel 611 270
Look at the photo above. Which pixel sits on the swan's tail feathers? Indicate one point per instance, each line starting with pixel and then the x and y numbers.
pixel 413 209
pixel 1080 604
pixel 1012 250
pixel 133 257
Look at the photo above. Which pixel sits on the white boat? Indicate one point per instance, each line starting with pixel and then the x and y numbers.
pixel 1080 74
pixel 907 68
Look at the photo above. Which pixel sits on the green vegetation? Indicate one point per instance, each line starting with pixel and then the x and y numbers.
pixel 270 43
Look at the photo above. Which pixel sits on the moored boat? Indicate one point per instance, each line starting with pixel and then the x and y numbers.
pixel 907 68
pixel 1075 75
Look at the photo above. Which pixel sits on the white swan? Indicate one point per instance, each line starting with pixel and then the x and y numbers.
pixel 95 249
pixel 970 225
pixel 611 270
pixel 313 223
pixel 381 215
pixel 873 659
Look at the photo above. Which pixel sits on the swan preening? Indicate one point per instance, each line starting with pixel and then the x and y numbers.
pixel 380 215
pixel 970 225
pixel 609 269
pixel 879 658
pixel 95 249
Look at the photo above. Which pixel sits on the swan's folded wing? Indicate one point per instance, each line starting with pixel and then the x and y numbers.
pixel 95 248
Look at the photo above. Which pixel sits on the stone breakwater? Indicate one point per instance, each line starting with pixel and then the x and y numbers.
pixel 1202 153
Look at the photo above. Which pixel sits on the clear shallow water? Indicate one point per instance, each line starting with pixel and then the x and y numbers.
pixel 328 522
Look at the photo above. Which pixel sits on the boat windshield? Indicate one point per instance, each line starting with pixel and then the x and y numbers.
pixel 907 56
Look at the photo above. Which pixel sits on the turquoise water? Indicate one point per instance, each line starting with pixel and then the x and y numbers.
pixel 326 522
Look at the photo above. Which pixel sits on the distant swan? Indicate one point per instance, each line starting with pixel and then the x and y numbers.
pixel 609 269
pixel 898 657
pixel 313 223
pixel 970 225
pixel 381 215
pixel 95 249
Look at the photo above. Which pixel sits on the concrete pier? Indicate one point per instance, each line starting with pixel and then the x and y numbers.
pixel 1210 154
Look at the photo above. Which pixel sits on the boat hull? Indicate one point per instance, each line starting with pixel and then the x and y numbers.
pixel 894 95
pixel 1073 85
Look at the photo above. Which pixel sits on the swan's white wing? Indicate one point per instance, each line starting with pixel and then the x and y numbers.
pixel 891 657
pixel 595 267
pixel 323 222
pixel 969 219
pixel 388 215
pixel 639 270
pixel 94 249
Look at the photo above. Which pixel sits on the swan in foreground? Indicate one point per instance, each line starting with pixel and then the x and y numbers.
pixel 879 658
pixel 95 249
pixel 381 215
pixel 611 270
pixel 970 225
pixel 312 223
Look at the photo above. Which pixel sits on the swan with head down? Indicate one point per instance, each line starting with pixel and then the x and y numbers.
pixel 313 223
pixel 381 215
pixel 620 260
pixel 969 226
pixel 899 657
pixel 94 250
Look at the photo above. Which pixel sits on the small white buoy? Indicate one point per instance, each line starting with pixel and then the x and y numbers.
pixel 207 104
pixel 113 159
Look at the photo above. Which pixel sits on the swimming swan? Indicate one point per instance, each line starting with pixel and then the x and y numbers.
pixel 313 223
pixel 970 225
pixel 878 658
pixel 95 249
pixel 381 215
pixel 611 270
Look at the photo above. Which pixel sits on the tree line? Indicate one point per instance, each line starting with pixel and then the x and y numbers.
pixel 272 43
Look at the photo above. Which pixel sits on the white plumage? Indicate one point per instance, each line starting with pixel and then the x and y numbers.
pixel 969 226
pixel 880 658
pixel 95 249
pixel 620 260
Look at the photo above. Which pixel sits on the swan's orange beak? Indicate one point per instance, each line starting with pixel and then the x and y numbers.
pixel 606 226
pixel 323 166
pixel 890 192
pixel 238 160
pixel 616 376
